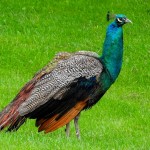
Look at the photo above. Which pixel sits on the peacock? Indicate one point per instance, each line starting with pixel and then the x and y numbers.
pixel 70 83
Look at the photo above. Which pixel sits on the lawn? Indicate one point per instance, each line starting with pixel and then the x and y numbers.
pixel 32 32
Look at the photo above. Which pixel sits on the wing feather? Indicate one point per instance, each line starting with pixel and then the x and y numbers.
pixel 53 123
pixel 65 72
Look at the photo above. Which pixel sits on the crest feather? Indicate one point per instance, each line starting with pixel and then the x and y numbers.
pixel 110 16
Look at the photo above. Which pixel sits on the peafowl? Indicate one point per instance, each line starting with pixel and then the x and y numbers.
pixel 70 83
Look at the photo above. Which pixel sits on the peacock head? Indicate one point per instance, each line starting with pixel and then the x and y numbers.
pixel 121 20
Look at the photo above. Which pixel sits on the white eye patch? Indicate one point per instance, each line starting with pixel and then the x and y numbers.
pixel 119 20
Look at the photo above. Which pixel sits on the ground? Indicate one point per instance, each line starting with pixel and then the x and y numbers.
pixel 32 32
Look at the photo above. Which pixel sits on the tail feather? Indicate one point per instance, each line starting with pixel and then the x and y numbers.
pixel 9 117
pixel 16 124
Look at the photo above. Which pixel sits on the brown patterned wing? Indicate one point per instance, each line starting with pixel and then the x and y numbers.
pixel 55 82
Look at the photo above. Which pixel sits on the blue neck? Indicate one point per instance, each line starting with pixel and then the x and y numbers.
pixel 113 50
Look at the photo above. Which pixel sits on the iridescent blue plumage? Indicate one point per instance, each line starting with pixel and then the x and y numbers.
pixel 111 58
pixel 113 49
pixel 113 46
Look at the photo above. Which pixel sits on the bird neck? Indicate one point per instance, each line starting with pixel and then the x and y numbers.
pixel 113 50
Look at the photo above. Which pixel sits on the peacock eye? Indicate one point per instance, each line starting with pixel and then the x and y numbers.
pixel 119 20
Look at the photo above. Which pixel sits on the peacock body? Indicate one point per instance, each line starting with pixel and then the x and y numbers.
pixel 70 83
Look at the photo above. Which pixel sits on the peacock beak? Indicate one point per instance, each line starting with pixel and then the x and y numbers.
pixel 128 21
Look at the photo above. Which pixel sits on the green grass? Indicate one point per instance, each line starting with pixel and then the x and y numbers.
pixel 32 31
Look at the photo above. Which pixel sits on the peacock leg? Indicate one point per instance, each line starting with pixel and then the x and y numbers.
pixel 77 126
pixel 68 129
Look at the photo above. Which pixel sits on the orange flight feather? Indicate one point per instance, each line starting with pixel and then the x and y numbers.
pixel 53 124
